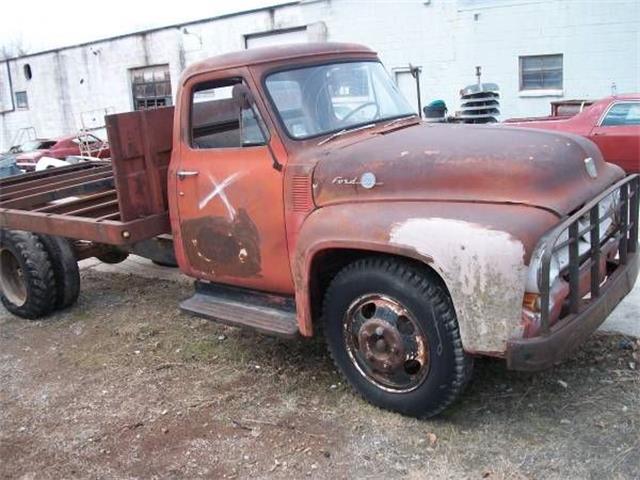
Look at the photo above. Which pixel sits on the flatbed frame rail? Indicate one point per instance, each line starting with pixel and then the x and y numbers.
pixel 117 203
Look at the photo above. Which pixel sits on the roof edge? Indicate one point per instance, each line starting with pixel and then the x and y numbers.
pixel 155 29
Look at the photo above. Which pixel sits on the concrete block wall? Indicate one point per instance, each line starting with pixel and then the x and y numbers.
pixel 70 81
pixel 599 40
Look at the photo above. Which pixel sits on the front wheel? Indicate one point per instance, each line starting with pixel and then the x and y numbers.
pixel 392 332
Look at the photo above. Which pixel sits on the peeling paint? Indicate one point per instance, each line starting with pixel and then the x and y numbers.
pixel 484 270
pixel 222 247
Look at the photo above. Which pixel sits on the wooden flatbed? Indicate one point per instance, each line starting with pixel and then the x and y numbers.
pixel 120 202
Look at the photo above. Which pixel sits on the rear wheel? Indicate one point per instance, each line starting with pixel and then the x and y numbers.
pixel 27 284
pixel 392 332
pixel 65 269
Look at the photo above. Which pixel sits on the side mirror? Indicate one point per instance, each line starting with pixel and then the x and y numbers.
pixel 242 96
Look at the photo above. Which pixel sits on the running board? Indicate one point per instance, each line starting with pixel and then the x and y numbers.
pixel 267 313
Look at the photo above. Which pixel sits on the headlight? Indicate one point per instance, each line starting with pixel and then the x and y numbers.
pixel 534 274
pixel 608 206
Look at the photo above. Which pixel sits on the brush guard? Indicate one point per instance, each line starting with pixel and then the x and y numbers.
pixel 583 313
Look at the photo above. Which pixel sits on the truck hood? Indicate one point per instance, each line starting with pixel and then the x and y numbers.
pixel 462 163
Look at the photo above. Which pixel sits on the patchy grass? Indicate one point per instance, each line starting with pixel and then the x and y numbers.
pixel 125 385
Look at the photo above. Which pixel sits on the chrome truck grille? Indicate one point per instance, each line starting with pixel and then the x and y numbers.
pixel 577 244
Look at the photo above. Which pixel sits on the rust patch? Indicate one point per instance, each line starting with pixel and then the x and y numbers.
pixel 223 247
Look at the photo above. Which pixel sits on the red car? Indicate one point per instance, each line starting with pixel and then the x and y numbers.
pixel 28 154
pixel 612 123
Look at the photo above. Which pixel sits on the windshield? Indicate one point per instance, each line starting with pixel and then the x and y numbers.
pixel 322 99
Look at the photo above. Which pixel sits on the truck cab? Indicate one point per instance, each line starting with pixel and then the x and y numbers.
pixel 305 196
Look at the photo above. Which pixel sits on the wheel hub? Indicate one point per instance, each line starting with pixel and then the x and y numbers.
pixel 12 282
pixel 386 343
pixel 381 344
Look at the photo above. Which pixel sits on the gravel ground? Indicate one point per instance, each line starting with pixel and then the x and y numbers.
pixel 124 385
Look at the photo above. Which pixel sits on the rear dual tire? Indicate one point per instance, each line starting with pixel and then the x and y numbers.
pixel 65 270
pixel 38 274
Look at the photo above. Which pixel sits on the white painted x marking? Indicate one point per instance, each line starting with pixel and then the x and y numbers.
pixel 218 191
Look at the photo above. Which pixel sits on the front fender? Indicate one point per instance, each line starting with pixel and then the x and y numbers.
pixel 481 251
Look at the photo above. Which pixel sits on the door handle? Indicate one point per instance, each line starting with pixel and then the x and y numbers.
pixel 187 173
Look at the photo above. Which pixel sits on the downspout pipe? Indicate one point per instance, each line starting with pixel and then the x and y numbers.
pixel 13 102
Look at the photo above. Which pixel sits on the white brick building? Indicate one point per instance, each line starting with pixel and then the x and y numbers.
pixel 536 50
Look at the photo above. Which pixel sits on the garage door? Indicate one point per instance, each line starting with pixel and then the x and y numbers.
pixel 277 38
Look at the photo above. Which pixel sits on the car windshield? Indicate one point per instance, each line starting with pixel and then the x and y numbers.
pixel 34 145
pixel 323 99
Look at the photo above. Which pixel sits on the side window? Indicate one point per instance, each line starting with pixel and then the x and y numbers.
pixel 217 120
pixel 622 114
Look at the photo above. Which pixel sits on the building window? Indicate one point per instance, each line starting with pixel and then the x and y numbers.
pixel 541 72
pixel 21 100
pixel 151 87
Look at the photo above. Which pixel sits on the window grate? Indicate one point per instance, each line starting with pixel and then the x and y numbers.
pixel 541 72
pixel 151 87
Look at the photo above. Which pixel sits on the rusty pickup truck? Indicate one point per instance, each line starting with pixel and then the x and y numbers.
pixel 305 196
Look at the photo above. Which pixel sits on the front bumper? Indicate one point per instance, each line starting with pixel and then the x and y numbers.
pixel 611 279
pixel 541 352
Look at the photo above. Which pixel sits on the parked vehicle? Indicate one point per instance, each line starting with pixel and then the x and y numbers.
pixel 28 154
pixel 414 246
pixel 612 123
pixel 8 166
pixel 49 162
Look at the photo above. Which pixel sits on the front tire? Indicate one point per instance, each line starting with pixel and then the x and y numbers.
pixel 392 332
pixel 27 283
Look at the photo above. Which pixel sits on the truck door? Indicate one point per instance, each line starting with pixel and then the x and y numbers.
pixel 229 197
pixel 618 135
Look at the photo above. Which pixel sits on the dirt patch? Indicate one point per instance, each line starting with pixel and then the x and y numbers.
pixel 124 385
